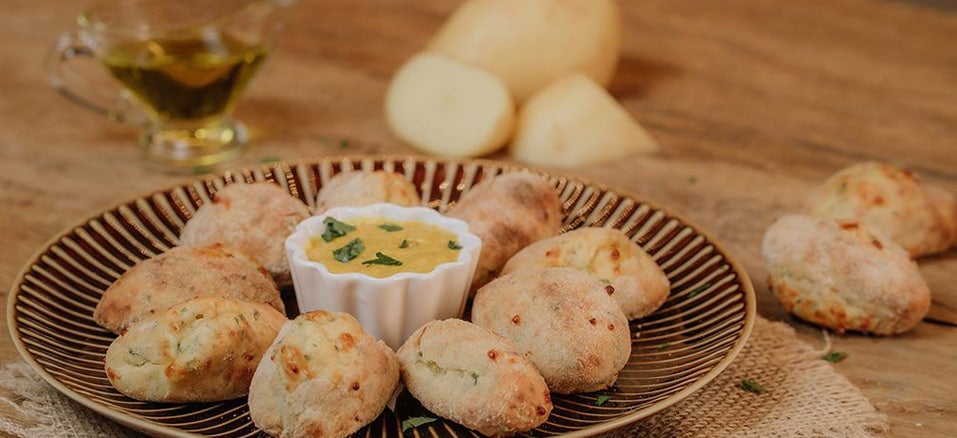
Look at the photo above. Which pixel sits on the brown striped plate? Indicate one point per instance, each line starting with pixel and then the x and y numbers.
pixel 677 350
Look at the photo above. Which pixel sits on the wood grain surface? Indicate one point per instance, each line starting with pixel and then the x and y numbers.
pixel 755 102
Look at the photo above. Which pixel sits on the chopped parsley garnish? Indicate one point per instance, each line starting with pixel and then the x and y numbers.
pixel 335 229
pixel 414 422
pixel 404 244
pixel 391 227
pixel 834 357
pixel 752 386
pixel 269 159
pixel 454 245
pixel 602 399
pixel 475 377
pixel 382 259
pixel 698 290
pixel 350 251
pixel 664 346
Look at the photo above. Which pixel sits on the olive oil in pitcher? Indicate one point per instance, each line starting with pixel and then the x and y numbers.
pixel 185 78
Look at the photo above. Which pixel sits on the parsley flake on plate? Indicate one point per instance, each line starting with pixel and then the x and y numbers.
pixel 391 227
pixel 414 422
pixel 602 399
pixel 698 290
pixel 454 245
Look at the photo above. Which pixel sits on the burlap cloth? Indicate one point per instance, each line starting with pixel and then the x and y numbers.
pixel 805 397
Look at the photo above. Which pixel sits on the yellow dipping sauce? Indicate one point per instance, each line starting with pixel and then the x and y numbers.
pixel 381 247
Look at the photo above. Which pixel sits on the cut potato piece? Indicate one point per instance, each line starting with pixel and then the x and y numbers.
pixel 575 122
pixel 449 108
pixel 530 43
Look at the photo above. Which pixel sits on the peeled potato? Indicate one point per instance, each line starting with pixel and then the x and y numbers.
pixel 449 108
pixel 530 43
pixel 575 122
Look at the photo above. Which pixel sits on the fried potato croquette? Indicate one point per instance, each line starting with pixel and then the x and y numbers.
pixel 889 199
pixel 202 350
pixel 842 275
pixel 180 274
pixel 474 377
pixel 563 320
pixel 508 212
pixel 252 218
pixel 641 287
pixel 324 376
pixel 358 188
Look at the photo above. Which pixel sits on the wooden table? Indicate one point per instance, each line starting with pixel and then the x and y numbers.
pixel 754 102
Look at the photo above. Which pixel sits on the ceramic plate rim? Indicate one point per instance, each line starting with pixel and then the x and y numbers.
pixel 750 304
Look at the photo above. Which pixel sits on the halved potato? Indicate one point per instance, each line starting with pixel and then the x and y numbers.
pixel 530 43
pixel 449 108
pixel 575 122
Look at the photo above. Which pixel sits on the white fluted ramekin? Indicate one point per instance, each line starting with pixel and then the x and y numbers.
pixel 389 308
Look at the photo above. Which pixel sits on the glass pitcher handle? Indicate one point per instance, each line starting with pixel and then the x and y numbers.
pixel 67 48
